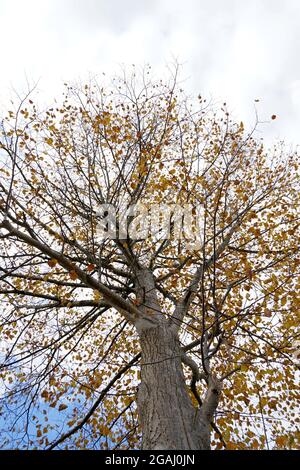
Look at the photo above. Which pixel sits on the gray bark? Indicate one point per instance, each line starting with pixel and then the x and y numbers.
pixel 167 416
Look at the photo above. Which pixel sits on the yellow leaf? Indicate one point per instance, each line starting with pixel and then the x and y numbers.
pixel 97 295
pixel 51 380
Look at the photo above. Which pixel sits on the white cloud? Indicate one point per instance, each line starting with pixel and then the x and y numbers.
pixel 237 51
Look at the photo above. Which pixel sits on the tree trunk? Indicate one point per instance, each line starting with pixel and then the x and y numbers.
pixel 167 416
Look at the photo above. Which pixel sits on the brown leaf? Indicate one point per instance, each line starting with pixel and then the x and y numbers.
pixel 62 406
pixel 52 262
pixel 73 275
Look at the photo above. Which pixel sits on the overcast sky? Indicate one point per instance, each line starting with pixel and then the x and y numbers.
pixel 232 50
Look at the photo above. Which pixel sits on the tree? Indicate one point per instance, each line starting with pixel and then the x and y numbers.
pixel 156 342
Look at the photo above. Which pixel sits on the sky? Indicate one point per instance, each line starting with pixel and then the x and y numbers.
pixel 230 50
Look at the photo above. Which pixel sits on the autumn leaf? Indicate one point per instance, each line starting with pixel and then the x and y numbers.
pixel 97 296
pixel 281 441
pixel 73 275
pixel 267 313
pixel 52 262
pixel 52 380
pixel 90 267
pixel 62 407
pixel 44 394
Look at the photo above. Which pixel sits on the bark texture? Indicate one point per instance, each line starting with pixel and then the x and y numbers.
pixel 167 416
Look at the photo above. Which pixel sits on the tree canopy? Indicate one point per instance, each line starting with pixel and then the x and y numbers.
pixel 72 302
